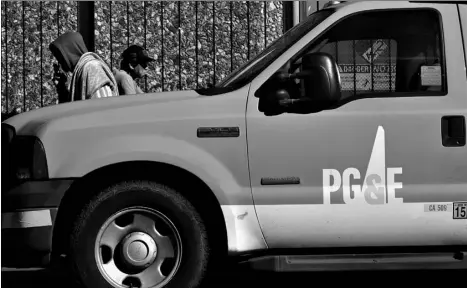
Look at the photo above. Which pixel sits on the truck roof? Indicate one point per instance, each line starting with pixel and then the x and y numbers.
pixel 339 4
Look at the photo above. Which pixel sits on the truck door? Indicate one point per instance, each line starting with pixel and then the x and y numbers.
pixel 385 168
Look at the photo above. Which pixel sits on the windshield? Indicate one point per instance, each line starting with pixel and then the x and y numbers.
pixel 254 66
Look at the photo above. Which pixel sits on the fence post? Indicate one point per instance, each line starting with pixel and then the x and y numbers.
pixel 86 23
pixel 306 8
pixel 287 16
pixel 296 12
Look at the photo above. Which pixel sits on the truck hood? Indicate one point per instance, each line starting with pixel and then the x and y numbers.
pixel 30 122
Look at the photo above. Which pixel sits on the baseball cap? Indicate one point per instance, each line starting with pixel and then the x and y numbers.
pixel 137 54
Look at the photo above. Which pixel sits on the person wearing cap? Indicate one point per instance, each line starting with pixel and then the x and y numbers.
pixel 90 76
pixel 134 62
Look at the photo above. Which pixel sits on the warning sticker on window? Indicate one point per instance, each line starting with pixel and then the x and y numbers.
pixel 431 75
pixel 364 78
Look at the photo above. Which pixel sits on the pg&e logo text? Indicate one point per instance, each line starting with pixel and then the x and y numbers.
pixel 375 189
pixel 378 186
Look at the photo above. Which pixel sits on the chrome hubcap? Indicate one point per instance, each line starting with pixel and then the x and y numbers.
pixel 138 247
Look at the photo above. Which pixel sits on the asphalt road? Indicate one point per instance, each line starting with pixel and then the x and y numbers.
pixel 247 278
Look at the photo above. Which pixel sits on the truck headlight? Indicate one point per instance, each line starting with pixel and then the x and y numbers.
pixel 8 134
pixel 28 158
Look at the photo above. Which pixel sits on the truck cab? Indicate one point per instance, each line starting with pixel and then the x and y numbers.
pixel 340 146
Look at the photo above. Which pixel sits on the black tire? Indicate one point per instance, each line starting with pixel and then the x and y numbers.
pixel 195 248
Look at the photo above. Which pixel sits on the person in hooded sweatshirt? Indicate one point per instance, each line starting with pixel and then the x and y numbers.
pixel 90 76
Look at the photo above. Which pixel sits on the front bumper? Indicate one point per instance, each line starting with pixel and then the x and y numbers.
pixel 28 215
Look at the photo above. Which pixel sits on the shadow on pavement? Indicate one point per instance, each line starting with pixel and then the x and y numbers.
pixel 246 278
pixel 29 278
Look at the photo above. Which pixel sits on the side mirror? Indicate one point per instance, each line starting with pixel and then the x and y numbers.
pixel 321 75
pixel 321 80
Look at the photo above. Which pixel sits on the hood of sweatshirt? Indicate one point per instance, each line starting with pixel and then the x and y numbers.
pixel 68 49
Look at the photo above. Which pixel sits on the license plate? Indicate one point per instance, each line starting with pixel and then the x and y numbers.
pixel 459 210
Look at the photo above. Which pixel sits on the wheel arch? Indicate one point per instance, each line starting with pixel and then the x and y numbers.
pixel 81 191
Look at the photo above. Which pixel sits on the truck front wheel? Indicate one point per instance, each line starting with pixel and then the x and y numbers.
pixel 139 234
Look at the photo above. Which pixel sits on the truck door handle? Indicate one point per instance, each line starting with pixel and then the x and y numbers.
pixel 453 131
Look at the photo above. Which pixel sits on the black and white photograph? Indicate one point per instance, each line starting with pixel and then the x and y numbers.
pixel 191 144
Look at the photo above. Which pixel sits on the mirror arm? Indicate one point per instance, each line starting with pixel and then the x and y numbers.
pixel 284 77
pixel 301 75
pixel 286 103
pixel 303 105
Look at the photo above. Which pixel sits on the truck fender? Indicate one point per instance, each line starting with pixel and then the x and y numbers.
pixel 244 233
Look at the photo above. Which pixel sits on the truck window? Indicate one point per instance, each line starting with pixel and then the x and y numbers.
pixel 386 53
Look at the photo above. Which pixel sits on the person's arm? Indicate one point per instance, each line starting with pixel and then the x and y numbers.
pixel 139 90
pixel 128 86
pixel 63 93
pixel 60 81
pixel 103 92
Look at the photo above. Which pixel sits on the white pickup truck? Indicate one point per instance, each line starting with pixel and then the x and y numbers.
pixel 341 146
